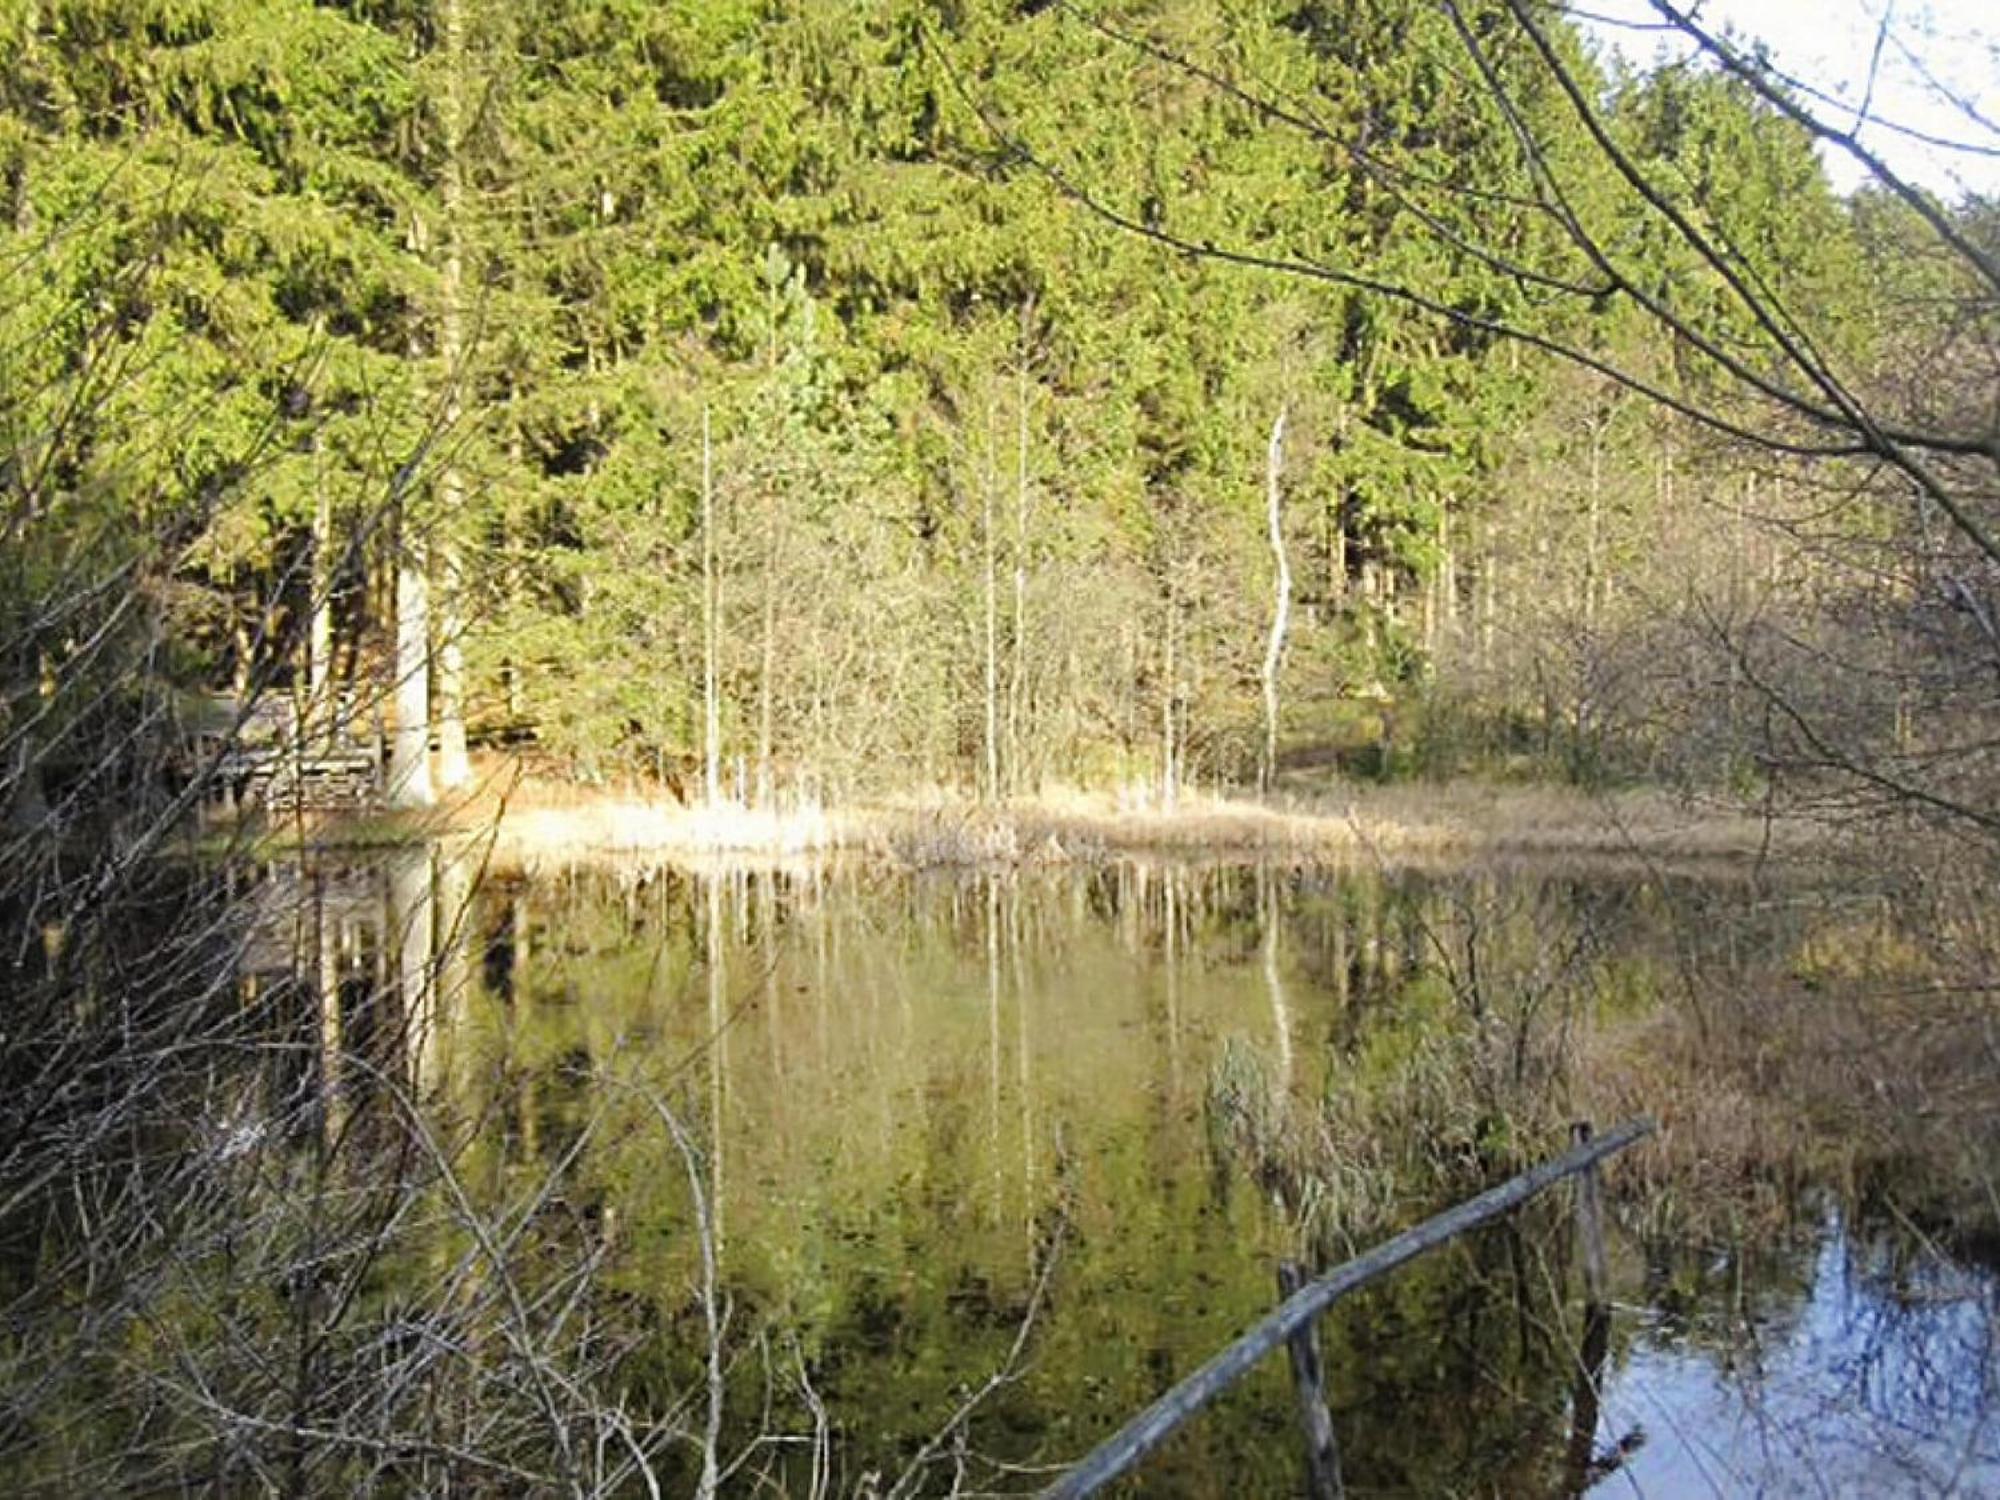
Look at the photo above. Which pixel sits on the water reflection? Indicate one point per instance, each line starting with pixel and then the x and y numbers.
pixel 907 1093
pixel 715 949
pixel 1853 1366
pixel 383 957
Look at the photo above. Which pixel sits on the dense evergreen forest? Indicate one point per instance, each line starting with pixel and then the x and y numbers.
pixel 806 401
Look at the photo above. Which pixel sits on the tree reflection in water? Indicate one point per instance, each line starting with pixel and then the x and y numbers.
pixel 443 1172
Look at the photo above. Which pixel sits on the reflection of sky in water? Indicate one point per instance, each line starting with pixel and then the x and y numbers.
pixel 1876 1385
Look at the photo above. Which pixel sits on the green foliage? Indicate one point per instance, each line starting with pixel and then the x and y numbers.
pixel 918 362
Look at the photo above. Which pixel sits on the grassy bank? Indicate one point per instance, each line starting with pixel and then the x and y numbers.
pixel 532 819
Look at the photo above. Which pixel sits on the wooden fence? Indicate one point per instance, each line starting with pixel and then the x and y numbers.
pixel 1294 1321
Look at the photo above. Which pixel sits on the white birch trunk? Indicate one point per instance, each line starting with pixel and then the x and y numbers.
pixel 454 768
pixel 1281 612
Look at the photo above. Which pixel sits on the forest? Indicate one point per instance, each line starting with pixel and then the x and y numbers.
pixel 801 402
pixel 1203 411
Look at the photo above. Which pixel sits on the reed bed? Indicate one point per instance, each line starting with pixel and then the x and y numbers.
pixel 936 828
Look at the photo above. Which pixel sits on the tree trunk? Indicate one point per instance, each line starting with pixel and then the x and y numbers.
pixel 1591 568
pixel 454 767
pixel 1017 665
pixel 990 785
pixel 711 604
pixel 409 758
pixel 1447 579
pixel 320 717
pixel 1428 611
pixel 1338 566
pixel 1489 595
pixel 515 547
pixel 326 977
pixel 1281 612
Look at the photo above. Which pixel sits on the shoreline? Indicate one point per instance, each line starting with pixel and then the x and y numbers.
pixel 531 821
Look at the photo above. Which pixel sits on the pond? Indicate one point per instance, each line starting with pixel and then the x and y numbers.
pixel 1025 1146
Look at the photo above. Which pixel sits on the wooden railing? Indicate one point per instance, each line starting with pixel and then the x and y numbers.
pixel 1294 1320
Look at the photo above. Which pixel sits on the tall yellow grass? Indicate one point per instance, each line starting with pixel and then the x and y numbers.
pixel 938 829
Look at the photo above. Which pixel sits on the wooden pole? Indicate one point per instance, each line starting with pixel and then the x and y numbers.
pixel 1151 1427
pixel 1586 1401
pixel 1589 1221
pixel 1309 1382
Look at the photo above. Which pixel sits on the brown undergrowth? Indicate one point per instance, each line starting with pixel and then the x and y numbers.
pixel 1886 1093
pixel 1866 1063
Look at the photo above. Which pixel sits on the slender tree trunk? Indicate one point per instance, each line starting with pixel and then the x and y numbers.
pixel 1447 577
pixel 990 786
pixel 320 720
pixel 1488 584
pixel 1591 565
pixel 1428 611
pixel 1017 665
pixel 409 756
pixel 1281 612
pixel 454 768
pixel 326 989
pixel 516 548
pixel 1337 513
pixel 1337 567
pixel 711 629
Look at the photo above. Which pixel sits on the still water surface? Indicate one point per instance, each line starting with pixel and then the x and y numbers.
pixel 930 1109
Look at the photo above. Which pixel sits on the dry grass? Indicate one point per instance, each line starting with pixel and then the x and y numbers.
pixel 644 827
pixel 1888 1092
pixel 540 819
